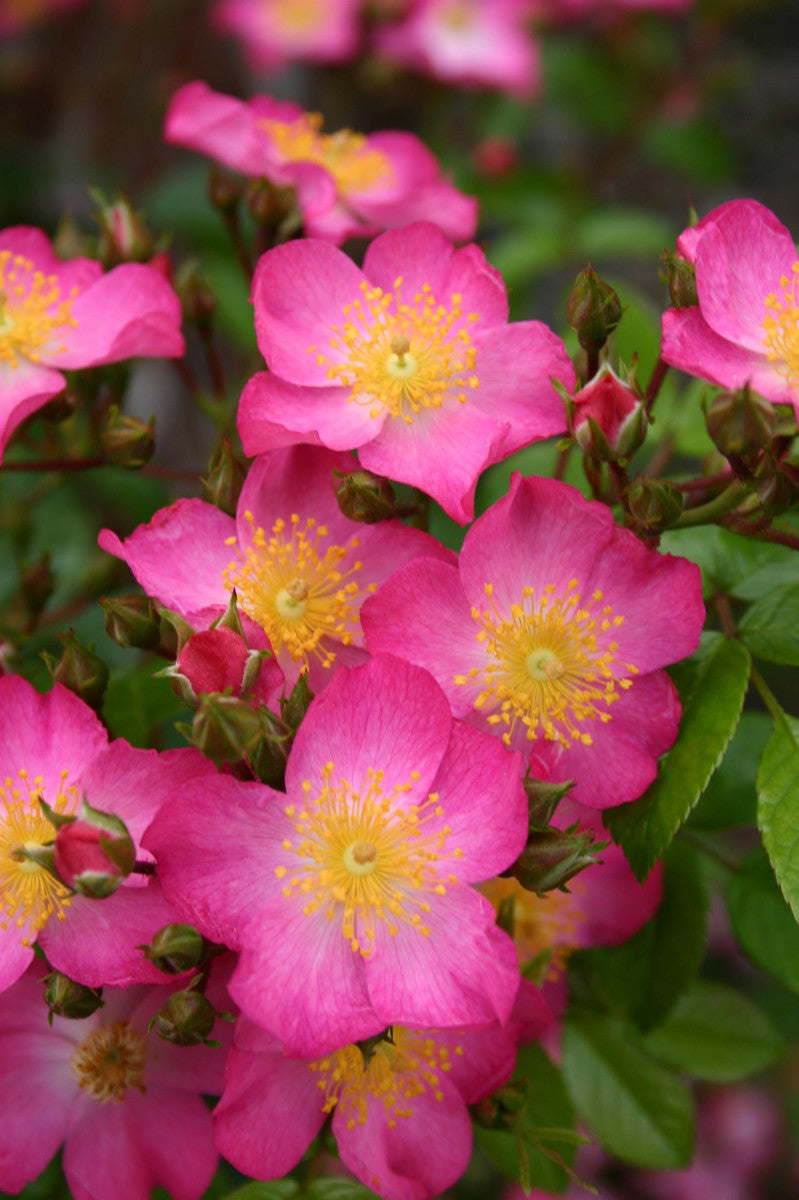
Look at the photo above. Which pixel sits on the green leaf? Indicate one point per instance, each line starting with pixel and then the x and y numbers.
pixel 770 628
pixel 136 703
pixel 778 805
pixel 637 1109
pixel 279 1189
pixel 643 978
pixel 729 800
pixel 742 567
pixel 335 1188
pixel 762 921
pixel 716 1034
pixel 548 1106
pixel 711 713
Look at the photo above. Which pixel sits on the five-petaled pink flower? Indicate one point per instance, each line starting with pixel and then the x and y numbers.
pixel 361 874
pixel 552 632
pixel 57 316
pixel 410 360
pixel 275 32
pixel 745 329
pixel 347 184
pixel 300 568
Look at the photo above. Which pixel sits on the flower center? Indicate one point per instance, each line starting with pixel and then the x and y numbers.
pixel 365 857
pixel 540 923
pixel 295 590
pixel 458 17
pixel 397 1072
pixel 346 155
pixel 781 327
pixel 297 16
pixel 549 664
pixel 110 1061
pixel 31 310
pixel 29 894
pixel 403 358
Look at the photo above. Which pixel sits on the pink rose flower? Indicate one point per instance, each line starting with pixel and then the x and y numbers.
pixel 57 316
pixel 481 43
pixel 411 360
pixel 219 660
pixel 301 570
pixel 126 1106
pixel 275 32
pixel 350 897
pixel 348 184
pixel 400 1118
pixel 551 632
pixel 54 747
pixel 745 328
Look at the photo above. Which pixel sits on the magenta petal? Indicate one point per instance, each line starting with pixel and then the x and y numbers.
pixel 102 1148
pixel 274 414
pixel 174 1135
pixel 295 480
pixel 414 1159
pixel 419 253
pixel 180 555
pixel 368 700
pixel 270 1112
pixel 130 312
pixel 480 1060
pixel 36 1094
pixel 311 994
pixel 300 291
pixel 24 389
pixel 217 125
pixel 515 365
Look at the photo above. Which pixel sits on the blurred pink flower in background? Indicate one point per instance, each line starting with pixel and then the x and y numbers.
pixel 274 32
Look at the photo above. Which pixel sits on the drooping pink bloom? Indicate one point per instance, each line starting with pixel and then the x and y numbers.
pixel 301 570
pixel 347 184
pixel 54 747
pixel 411 360
pixel 275 32
pixel 350 897
pixel 399 1117
pixel 745 328
pixel 552 632
pixel 126 1106
pixel 480 43
pixel 57 316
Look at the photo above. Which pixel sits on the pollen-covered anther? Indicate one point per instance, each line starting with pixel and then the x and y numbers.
pixel 33 314
pixel 111 1061
pixel 364 857
pixel 401 359
pixel 353 163
pixel 29 893
pixel 295 589
pixel 549 664
pixel 781 327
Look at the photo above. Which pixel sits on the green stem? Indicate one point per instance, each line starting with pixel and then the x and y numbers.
pixel 715 509
pixel 766 694
pixel 687 835
pixel 658 375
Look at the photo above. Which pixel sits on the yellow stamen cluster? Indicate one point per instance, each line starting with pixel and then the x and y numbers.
pixel 364 857
pixel 782 327
pixel 29 894
pixel 294 589
pixel 550 922
pixel 402 358
pixel 458 16
pixel 297 16
pixel 398 1071
pixel 110 1061
pixel 346 155
pixel 548 664
pixel 31 310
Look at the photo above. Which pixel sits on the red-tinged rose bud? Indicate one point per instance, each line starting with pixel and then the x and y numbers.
pixel 95 853
pixel 225 478
pixel 365 497
pixel 132 621
pixel 185 1019
pixel 197 297
pixel 126 441
pixel 124 237
pixel 270 205
pixel 593 310
pixel 79 669
pixel 681 280
pixel 741 424
pixel 653 505
pixel 552 857
pixel 504 1108
pixel 224 192
pixel 496 157
pixel 175 948
pixel 215 660
pixel 607 418
pixel 68 999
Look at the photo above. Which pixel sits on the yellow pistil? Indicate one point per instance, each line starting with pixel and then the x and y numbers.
pixel 29 894
pixel 402 358
pixel 32 313
pixel 294 588
pixel 549 922
pixel 354 165
pixel 781 327
pixel 111 1061
pixel 548 664
pixel 398 1071
pixel 364 857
